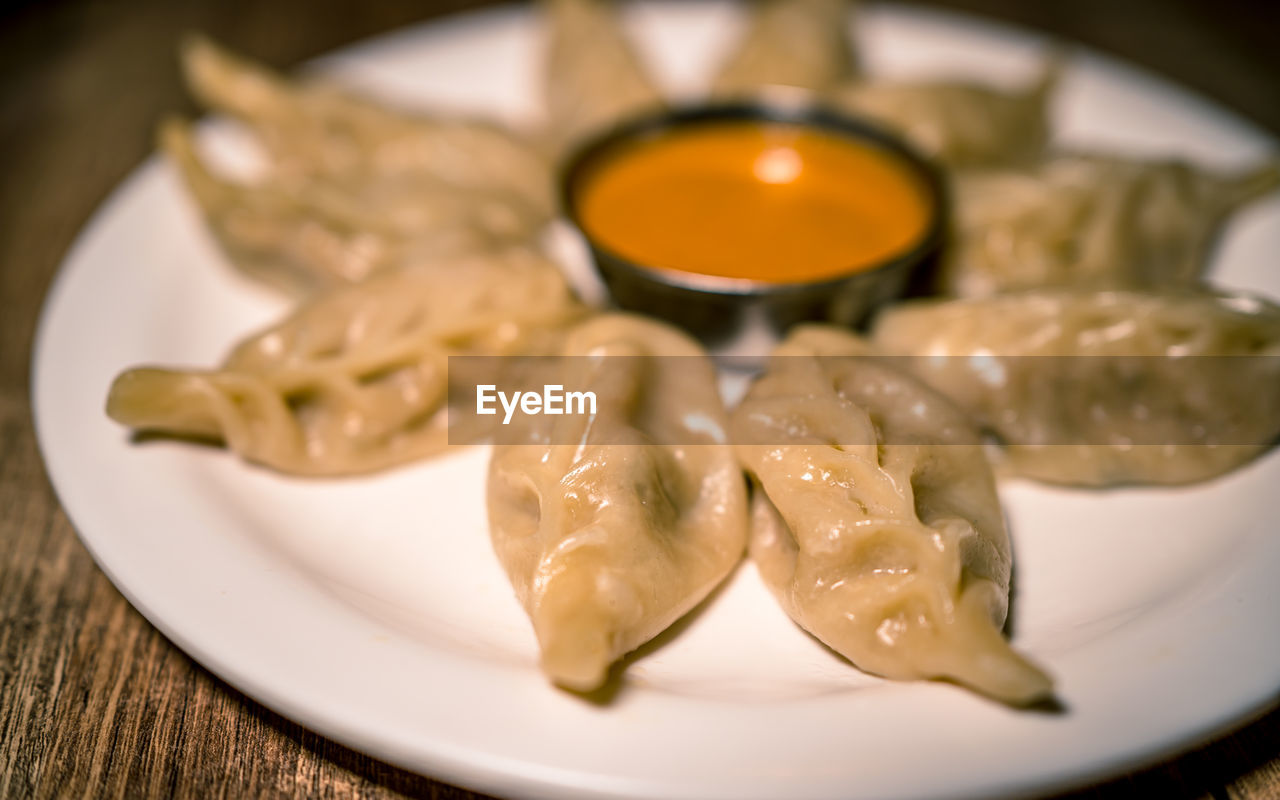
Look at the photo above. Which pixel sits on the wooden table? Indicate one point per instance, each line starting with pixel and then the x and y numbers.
pixel 92 699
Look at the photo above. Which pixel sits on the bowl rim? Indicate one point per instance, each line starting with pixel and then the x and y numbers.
pixel 791 107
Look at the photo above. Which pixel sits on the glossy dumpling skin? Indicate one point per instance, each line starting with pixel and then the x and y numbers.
pixel 819 339
pixel 612 527
pixel 594 77
pixel 797 43
pixel 351 188
pixel 1089 221
pixel 960 124
pixel 876 523
pixel 357 379
pixel 1103 388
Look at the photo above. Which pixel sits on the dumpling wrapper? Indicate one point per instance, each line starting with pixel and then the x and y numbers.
pixel 1090 221
pixel 876 522
pixel 802 44
pixel 352 187
pixel 1103 388
pixel 318 127
pixel 594 77
pixel 821 339
pixel 958 123
pixel 612 526
pixel 356 380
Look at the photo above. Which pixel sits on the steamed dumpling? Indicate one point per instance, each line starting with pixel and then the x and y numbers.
pixel 356 380
pixel 819 339
pixel 594 76
pixel 612 525
pixel 1091 222
pixel 876 522
pixel 798 43
pixel 1103 388
pixel 352 188
pixel 315 127
pixel 960 124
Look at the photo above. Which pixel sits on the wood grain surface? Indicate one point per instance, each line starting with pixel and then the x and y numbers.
pixel 93 700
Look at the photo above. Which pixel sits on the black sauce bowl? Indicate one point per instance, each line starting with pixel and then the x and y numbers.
pixel 745 317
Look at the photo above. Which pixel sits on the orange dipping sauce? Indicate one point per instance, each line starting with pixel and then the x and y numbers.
pixel 771 202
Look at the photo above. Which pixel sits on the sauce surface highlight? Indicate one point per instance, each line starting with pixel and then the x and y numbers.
pixel 773 202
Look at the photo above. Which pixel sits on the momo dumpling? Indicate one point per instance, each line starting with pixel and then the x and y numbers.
pixel 594 77
pixel 803 44
pixel 613 525
pixel 1090 221
pixel 1103 388
pixel 819 339
pixel 316 127
pixel 876 523
pixel 356 380
pixel 960 124
pixel 352 188
pixel 305 236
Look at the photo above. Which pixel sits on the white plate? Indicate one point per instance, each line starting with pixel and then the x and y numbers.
pixel 373 611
